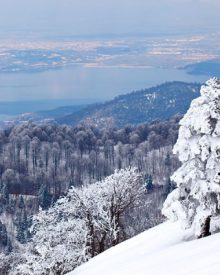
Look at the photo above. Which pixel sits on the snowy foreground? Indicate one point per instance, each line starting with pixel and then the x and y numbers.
pixel 162 250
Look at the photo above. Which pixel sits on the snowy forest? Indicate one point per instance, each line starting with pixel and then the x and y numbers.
pixel 187 242
pixel 40 163
pixel 70 193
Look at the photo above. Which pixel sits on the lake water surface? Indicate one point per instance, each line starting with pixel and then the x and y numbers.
pixel 81 82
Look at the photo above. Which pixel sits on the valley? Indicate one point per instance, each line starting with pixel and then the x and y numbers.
pixel 109 137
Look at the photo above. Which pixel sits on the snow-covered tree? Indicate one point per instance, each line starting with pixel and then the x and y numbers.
pixel 82 224
pixel 196 200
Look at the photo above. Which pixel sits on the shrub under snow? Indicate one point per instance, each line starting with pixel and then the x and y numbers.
pixel 79 226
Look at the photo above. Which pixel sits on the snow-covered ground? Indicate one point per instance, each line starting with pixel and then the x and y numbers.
pixel 162 250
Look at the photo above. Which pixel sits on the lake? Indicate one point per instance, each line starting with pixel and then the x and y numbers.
pixel 80 82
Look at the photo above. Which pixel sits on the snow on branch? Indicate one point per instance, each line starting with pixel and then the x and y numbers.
pixel 196 201
pixel 79 226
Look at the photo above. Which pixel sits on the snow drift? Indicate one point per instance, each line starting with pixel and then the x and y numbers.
pixel 162 250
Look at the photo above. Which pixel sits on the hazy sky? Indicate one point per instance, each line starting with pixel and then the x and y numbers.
pixel 27 18
pixel 86 17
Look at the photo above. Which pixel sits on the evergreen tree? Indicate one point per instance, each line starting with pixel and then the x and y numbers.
pixel 9 247
pixel 21 204
pixel 5 194
pixel 196 201
pixel 3 234
pixel 168 187
pixel 149 183
pixel 168 160
pixel 20 233
pixel 45 198
pixel 22 228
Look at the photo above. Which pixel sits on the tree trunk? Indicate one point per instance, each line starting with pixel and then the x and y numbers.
pixel 205 228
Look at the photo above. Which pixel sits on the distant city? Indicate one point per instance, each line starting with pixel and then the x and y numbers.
pixel 126 52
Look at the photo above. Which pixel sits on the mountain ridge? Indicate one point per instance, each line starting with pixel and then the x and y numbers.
pixel 157 103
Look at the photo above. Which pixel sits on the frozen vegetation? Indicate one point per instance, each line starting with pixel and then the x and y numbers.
pixel 174 248
pixel 80 225
pixel 39 163
pixel 196 201
pixel 95 216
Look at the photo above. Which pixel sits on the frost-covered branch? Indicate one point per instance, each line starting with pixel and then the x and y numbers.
pixel 196 201
pixel 81 225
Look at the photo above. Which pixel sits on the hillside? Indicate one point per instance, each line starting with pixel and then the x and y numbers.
pixel 40 162
pixel 193 205
pixel 162 250
pixel 13 108
pixel 210 67
pixel 157 103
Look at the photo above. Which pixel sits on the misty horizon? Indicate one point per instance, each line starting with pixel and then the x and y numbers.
pixel 94 49
pixel 116 17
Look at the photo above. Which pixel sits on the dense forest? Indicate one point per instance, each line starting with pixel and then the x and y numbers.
pixel 39 163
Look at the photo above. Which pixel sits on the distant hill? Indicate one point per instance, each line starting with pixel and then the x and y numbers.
pixel 60 111
pixel 157 103
pixel 209 68
pixel 35 106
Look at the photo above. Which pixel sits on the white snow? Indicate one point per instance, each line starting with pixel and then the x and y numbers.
pixel 194 206
pixel 196 201
pixel 162 250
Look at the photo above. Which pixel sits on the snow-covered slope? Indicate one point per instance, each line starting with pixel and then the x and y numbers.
pixel 162 250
